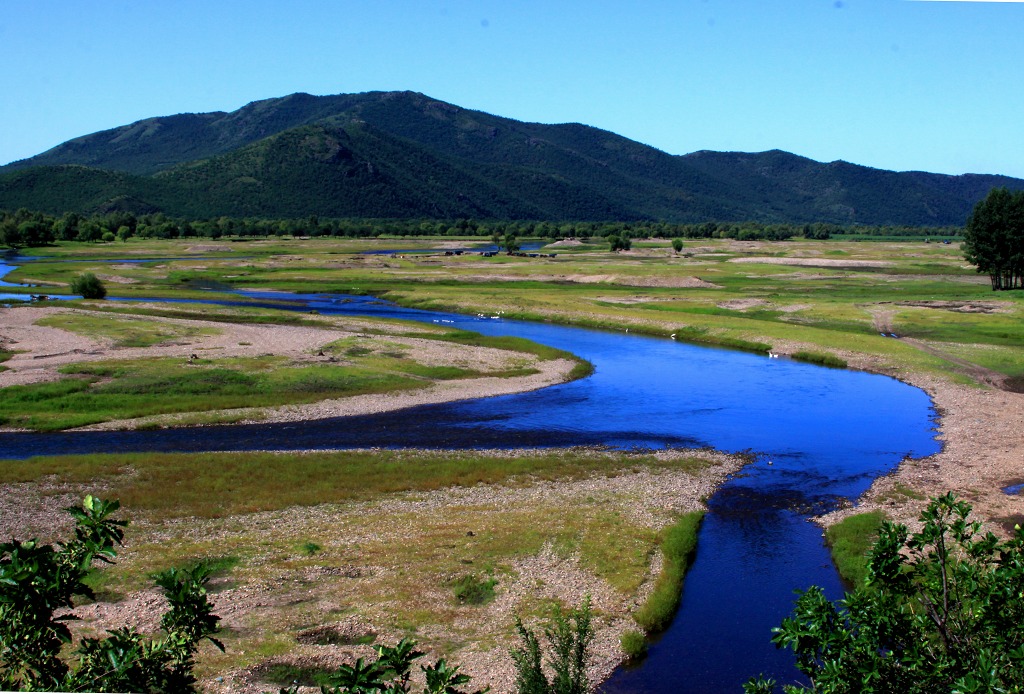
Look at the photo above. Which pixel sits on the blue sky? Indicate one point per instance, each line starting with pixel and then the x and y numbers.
pixel 894 84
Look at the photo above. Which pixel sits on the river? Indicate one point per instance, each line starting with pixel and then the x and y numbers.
pixel 819 436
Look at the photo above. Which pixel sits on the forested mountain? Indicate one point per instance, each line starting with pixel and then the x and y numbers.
pixel 405 155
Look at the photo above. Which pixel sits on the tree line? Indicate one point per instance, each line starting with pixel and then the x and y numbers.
pixel 994 238
pixel 25 228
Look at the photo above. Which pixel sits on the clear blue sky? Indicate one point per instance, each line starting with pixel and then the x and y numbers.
pixel 894 84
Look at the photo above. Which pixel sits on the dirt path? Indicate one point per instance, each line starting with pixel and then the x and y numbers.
pixel 977 372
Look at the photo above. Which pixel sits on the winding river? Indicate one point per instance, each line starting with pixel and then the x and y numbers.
pixel 818 435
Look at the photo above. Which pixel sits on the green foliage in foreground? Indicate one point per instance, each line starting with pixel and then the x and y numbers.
pixel 38 583
pixel 569 636
pixel 941 610
pixel 677 546
pixel 851 539
pixel 391 673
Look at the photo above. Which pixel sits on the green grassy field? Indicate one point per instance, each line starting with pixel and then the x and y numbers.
pixel 839 296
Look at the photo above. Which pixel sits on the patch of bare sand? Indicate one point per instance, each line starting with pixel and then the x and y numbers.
pixel 626 281
pixel 811 262
pixel 742 304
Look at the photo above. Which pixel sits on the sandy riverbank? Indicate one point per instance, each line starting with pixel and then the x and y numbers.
pixel 41 351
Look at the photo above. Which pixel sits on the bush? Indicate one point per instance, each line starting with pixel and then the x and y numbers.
pixel 569 635
pixel 37 585
pixel 88 286
pixel 633 644
pixel 941 610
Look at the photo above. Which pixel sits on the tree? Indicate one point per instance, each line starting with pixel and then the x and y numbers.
pixel 994 238
pixel 940 611
pixel 88 286
pixel 619 243
pixel 511 242
pixel 37 586
pixel 677 245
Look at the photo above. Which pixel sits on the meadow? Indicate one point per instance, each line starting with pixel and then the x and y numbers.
pixel 833 297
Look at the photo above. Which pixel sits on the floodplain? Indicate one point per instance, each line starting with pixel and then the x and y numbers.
pixel 375 544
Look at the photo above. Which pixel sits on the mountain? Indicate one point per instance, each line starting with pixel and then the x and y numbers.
pixel 403 154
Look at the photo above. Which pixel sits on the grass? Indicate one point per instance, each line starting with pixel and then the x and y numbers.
pixel 104 391
pixel 820 309
pixel 850 540
pixel 820 359
pixel 678 543
pixel 381 556
pixel 113 390
pixel 471 589
pixel 633 644
pixel 124 332
pixel 222 484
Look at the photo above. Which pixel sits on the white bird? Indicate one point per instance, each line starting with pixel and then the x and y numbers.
pixel 673 336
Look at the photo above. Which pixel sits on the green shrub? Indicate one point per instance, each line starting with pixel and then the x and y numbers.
pixel 38 585
pixel 941 610
pixel 633 644
pixel 88 286
pixel 390 672
pixel 569 636
pixel 309 548
pixel 473 590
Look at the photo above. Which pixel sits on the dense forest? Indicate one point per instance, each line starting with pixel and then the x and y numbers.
pixel 403 155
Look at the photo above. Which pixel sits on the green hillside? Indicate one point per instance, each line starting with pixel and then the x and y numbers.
pixel 405 155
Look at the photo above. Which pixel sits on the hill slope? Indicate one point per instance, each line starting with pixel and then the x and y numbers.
pixel 403 154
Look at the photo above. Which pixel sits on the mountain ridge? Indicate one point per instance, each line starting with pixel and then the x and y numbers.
pixel 404 154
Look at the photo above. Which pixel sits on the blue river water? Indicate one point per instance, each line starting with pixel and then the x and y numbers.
pixel 817 436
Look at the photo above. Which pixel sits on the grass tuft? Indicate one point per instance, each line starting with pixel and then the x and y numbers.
pixel 633 644
pixel 820 359
pixel 473 590
pixel 850 540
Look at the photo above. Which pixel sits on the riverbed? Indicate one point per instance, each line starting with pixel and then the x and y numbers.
pixel 818 437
